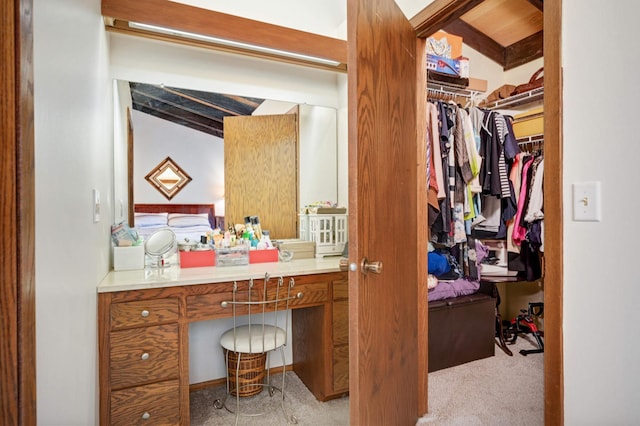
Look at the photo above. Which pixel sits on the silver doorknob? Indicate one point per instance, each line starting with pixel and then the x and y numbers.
pixel 346 266
pixel 375 267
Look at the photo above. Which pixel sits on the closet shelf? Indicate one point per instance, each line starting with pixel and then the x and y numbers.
pixel 517 100
pixel 435 86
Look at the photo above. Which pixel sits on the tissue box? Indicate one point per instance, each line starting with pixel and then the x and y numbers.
pixel 194 259
pixel 263 256
pixel 128 258
pixel 444 65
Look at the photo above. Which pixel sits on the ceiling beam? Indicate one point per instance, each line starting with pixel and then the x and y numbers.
pixel 177 16
pixel 509 57
pixel 524 51
pixel 175 105
pixel 200 101
pixel 477 40
pixel 439 14
pixel 538 4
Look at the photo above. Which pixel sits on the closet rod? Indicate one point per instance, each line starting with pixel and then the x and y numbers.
pixel 533 143
pixel 530 139
pixel 451 90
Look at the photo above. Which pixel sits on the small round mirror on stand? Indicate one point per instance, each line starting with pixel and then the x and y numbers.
pixel 158 245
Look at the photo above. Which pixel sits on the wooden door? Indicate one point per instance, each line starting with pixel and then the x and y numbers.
pixel 261 172
pixel 387 376
pixel 17 216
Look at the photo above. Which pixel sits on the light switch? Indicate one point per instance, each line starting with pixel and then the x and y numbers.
pixel 586 202
pixel 96 206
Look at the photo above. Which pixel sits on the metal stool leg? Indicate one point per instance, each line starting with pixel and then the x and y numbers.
pixel 291 419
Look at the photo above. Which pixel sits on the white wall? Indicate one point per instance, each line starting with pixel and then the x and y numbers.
pixel 149 61
pixel 73 156
pixel 199 154
pixel 601 289
pixel 321 17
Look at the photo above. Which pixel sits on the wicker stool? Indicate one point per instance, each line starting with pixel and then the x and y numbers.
pixel 246 346
pixel 250 370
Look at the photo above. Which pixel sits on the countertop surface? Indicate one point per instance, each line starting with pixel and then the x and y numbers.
pixel 173 275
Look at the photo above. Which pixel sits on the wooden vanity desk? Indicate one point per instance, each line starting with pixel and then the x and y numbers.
pixel 143 333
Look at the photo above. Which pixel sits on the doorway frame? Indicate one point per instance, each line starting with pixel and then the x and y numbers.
pixel 17 216
pixel 20 255
pixel 553 194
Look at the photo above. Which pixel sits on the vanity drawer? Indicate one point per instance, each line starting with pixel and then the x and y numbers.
pixel 143 312
pixel 312 293
pixel 154 404
pixel 143 355
pixel 208 306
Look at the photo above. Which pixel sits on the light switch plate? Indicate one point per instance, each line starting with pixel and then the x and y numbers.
pixel 96 206
pixel 587 202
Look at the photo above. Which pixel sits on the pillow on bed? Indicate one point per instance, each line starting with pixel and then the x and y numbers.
pixel 182 220
pixel 150 219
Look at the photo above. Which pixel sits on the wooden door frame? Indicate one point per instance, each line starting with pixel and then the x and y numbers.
pixel 17 213
pixel 17 217
pixel 553 267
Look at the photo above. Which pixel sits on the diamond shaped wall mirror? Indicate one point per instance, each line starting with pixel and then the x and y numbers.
pixel 168 178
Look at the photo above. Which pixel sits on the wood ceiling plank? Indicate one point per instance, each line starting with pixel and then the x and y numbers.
pixel 191 19
pixel 524 51
pixel 505 21
pixel 439 14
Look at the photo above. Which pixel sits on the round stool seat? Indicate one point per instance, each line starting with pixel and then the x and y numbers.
pixel 253 339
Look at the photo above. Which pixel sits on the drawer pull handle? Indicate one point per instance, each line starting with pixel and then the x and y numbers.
pixel 144 313
pixel 145 356
pixel 146 415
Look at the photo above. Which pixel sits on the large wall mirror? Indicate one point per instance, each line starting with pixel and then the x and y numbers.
pixel 316 97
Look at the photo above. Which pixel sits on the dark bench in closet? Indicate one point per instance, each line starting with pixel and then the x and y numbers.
pixel 462 329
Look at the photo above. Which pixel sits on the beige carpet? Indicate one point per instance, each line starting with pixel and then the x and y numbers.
pixel 495 391
pixel 299 401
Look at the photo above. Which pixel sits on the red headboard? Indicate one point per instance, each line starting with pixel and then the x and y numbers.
pixel 179 208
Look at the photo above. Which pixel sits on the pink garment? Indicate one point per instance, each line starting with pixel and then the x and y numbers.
pixel 520 232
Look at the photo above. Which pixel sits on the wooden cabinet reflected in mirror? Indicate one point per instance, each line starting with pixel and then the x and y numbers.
pixel 260 162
